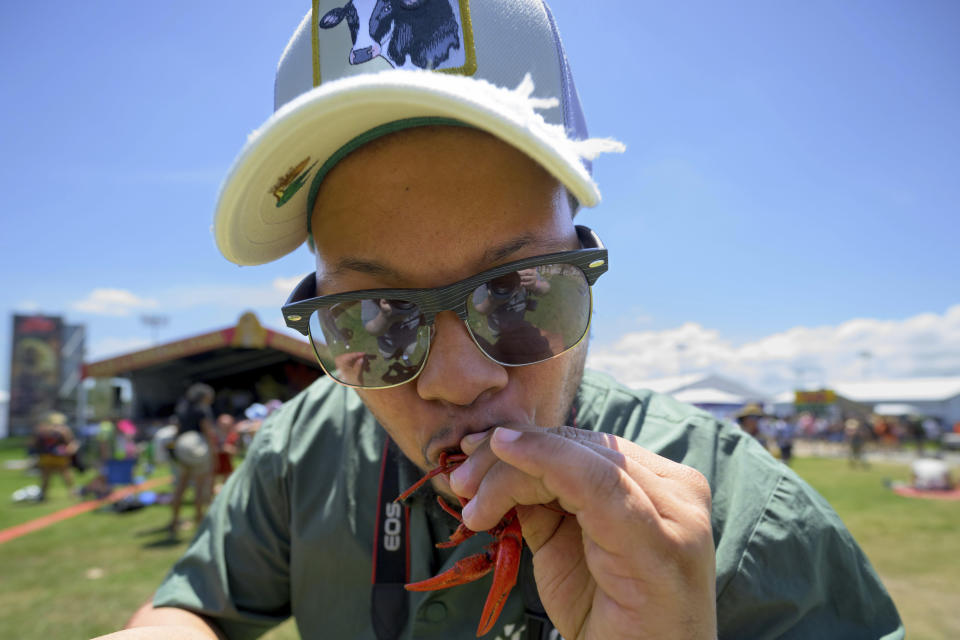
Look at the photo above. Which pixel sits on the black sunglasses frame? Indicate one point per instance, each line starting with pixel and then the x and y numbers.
pixel 591 260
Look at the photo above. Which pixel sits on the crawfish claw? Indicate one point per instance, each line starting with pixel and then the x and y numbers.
pixel 466 570
pixel 509 546
pixel 502 556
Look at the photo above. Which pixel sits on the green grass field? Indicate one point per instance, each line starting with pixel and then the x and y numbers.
pixel 84 576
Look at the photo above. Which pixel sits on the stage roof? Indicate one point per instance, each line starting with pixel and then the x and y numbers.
pixel 248 345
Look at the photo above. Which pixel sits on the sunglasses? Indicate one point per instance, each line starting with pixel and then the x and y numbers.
pixel 519 313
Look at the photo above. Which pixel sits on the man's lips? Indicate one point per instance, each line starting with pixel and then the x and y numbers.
pixel 451 443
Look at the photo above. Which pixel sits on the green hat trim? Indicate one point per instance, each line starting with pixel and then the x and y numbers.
pixel 359 141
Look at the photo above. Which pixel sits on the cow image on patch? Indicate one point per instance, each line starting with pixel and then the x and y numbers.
pixel 409 34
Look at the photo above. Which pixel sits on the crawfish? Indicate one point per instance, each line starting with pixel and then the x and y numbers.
pixel 502 556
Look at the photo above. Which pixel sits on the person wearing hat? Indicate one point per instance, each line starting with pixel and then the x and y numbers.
pixel 55 445
pixel 192 451
pixel 427 150
pixel 748 417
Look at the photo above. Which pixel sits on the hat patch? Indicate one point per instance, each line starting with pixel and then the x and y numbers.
pixel 289 183
pixel 409 34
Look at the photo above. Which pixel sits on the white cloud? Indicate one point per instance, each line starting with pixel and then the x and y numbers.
pixel 286 285
pixel 232 297
pixel 112 302
pixel 923 345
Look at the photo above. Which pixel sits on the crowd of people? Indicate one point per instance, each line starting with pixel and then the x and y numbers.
pixel 199 445
pixel 858 433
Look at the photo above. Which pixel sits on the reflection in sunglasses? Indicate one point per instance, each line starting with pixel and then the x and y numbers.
pixel 520 313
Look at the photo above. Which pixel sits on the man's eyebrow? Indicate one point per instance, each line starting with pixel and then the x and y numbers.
pixel 370 267
pixel 503 251
pixel 491 256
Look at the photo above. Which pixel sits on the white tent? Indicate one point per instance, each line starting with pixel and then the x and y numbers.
pixel 934 397
pixel 896 409
pixel 700 381
pixel 710 397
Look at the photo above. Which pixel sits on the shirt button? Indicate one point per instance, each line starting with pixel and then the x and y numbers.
pixel 435 612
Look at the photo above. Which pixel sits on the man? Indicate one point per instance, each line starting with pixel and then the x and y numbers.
pixel 645 518
pixel 748 417
pixel 55 446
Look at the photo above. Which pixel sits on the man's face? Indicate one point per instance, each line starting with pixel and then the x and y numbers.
pixel 424 208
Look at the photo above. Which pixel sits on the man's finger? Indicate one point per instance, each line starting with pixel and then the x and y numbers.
pixel 543 466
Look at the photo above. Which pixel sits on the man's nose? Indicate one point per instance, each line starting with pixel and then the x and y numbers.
pixel 456 370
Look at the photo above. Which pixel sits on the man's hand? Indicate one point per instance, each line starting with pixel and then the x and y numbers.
pixel 636 558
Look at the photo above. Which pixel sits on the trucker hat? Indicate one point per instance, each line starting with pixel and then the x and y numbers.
pixel 357 69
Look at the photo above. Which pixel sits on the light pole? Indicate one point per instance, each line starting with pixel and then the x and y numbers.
pixel 865 356
pixel 154 321
pixel 681 347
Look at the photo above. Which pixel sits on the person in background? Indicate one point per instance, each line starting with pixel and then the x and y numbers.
pixel 855 432
pixel 125 441
pixel 930 474
pixel 193 452
pixel 784 433
pixel 749 420
pixel 227 438
pixel 916 432
pixel 54 445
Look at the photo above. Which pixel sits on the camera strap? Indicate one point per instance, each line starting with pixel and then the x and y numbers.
pixel 389 601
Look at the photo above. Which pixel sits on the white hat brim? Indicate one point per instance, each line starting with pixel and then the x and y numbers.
pixel 249 226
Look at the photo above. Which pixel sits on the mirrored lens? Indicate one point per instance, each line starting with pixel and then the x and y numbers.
pixel 370 343
pixel 530 315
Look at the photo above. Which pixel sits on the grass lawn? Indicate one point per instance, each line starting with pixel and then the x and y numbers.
pixel 84 576
pixel 914 544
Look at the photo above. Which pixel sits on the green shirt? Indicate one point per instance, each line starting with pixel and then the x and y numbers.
pixel 291 533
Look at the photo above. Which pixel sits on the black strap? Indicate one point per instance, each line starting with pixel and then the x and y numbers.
pixel 391 561
pixel 391 553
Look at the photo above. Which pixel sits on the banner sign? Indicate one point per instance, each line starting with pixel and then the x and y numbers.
pixel 34 370
pixel 823 396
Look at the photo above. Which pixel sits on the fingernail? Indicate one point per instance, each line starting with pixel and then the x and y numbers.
pixel 502 434
pixel 475 438
pixel 462 470
pixel 467 511
pixel 456 473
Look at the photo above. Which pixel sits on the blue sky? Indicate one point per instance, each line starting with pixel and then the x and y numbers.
pixel 790 176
